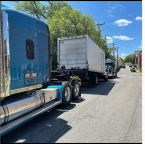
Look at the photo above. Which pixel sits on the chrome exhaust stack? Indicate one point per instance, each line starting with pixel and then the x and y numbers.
pixel 20 104
pixel 17 105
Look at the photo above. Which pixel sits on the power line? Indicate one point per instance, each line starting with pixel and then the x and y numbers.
pixel 82 5
pixel 93 11
pixel 89 7
pixel 97 16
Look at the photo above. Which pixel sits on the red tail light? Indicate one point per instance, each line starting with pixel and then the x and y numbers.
pixel 86 61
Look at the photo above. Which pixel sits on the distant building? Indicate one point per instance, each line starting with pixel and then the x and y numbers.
pixel 138 60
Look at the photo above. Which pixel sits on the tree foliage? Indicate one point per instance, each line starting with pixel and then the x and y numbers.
pixel 64 21
pixel 121 58
pixel 39 10
pixel 131 57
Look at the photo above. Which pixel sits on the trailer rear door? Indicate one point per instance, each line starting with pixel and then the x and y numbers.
pixel 72 53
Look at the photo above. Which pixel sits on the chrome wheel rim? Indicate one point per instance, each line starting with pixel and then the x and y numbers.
pixel 76 89
pixel 67 94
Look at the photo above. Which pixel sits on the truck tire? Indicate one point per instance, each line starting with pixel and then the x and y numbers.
pixel 66 94
pixel 115 74
pixel 112 75
pixel 75 90
pixel 93 78
pixel 106 78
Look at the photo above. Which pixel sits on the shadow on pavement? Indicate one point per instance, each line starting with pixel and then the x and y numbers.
pixel 45 128
pixel 116 77
pixel 102 88
pixel 49 127
pixel 79 100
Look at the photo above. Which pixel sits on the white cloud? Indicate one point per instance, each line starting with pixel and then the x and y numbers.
pixel 117 7
pixel 140 46
pixel 110 9
pixel 122 37
pixel 123 56
pixel 109 39
pixel 130 14
pixel 122 22
pixel 138 18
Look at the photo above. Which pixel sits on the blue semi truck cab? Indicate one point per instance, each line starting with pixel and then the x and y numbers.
pixel 28 87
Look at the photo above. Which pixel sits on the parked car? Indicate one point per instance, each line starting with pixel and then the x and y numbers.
pixel 123 66
pixel 130 65
pixel 132 69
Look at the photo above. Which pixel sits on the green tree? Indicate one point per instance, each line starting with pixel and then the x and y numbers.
pixel 129 58
pixel 63 21
pixel 121 58
pixel 38 10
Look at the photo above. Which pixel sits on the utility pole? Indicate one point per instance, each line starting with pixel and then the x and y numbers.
pixel 98 28
pixel 117 56
pixel 113 48
pixel 99 24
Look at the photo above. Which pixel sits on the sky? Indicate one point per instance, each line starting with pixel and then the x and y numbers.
pixel 123 22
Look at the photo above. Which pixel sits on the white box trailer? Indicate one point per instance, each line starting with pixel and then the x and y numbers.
pixel 81 56
pixel 120 62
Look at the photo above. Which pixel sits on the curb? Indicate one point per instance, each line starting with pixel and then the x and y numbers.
pixel 138 72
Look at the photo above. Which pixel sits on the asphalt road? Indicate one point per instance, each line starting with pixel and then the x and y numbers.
pixel 110 112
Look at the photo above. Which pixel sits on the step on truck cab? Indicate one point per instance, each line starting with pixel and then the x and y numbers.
pixel 26 87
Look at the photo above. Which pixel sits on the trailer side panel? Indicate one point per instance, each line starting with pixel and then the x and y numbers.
pixel 96 57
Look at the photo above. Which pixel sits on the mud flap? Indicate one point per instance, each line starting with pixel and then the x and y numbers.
pixel 80 90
